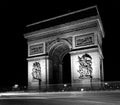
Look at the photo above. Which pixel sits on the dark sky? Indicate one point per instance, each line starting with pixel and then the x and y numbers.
pixel 15 15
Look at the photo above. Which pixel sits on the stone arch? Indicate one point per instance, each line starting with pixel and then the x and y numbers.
pixel 59 50
pixel 57 41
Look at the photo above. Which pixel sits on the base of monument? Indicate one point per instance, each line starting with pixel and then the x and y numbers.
pixel 86 84
pixel 76 85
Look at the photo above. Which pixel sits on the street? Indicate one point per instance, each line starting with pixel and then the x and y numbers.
pixel 62 98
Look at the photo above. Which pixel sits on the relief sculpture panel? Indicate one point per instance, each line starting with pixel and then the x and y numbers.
pixel 36 71
pixel 36 49
pixel 85 66
pixel 84 40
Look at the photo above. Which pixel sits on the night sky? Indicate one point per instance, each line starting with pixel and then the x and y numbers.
pixel 15 15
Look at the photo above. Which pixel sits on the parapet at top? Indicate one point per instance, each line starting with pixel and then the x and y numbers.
pixel 65 18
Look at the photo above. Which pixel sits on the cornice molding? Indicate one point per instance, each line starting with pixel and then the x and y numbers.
pixel 58 30
pixel 60 26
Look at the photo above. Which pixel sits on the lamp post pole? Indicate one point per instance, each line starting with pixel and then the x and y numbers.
pixel 39 84
pixel 91 81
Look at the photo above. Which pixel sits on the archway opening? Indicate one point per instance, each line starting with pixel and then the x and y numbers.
pixel 59 57
pixel 66 69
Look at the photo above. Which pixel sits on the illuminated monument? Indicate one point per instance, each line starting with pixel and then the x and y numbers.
pixel 66 50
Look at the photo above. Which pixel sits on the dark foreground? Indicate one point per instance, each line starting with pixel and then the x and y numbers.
pixel 62 98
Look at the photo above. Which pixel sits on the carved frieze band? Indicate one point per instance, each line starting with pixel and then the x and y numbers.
pixel 83 40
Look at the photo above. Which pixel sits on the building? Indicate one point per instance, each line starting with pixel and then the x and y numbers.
pixel 66 49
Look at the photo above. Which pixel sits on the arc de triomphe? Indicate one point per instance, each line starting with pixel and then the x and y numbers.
pixel 66 50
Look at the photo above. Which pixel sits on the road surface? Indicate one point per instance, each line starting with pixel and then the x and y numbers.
pixel 62 98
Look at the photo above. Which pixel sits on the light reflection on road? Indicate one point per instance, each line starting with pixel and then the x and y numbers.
pixel 62 98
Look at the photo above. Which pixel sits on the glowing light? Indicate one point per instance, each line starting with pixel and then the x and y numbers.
pixel 65 85
pixel 82 89
pixel 106 83
pixel 15 86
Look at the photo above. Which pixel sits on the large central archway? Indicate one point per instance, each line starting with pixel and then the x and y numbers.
pixel 59 64
pixel 66 64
